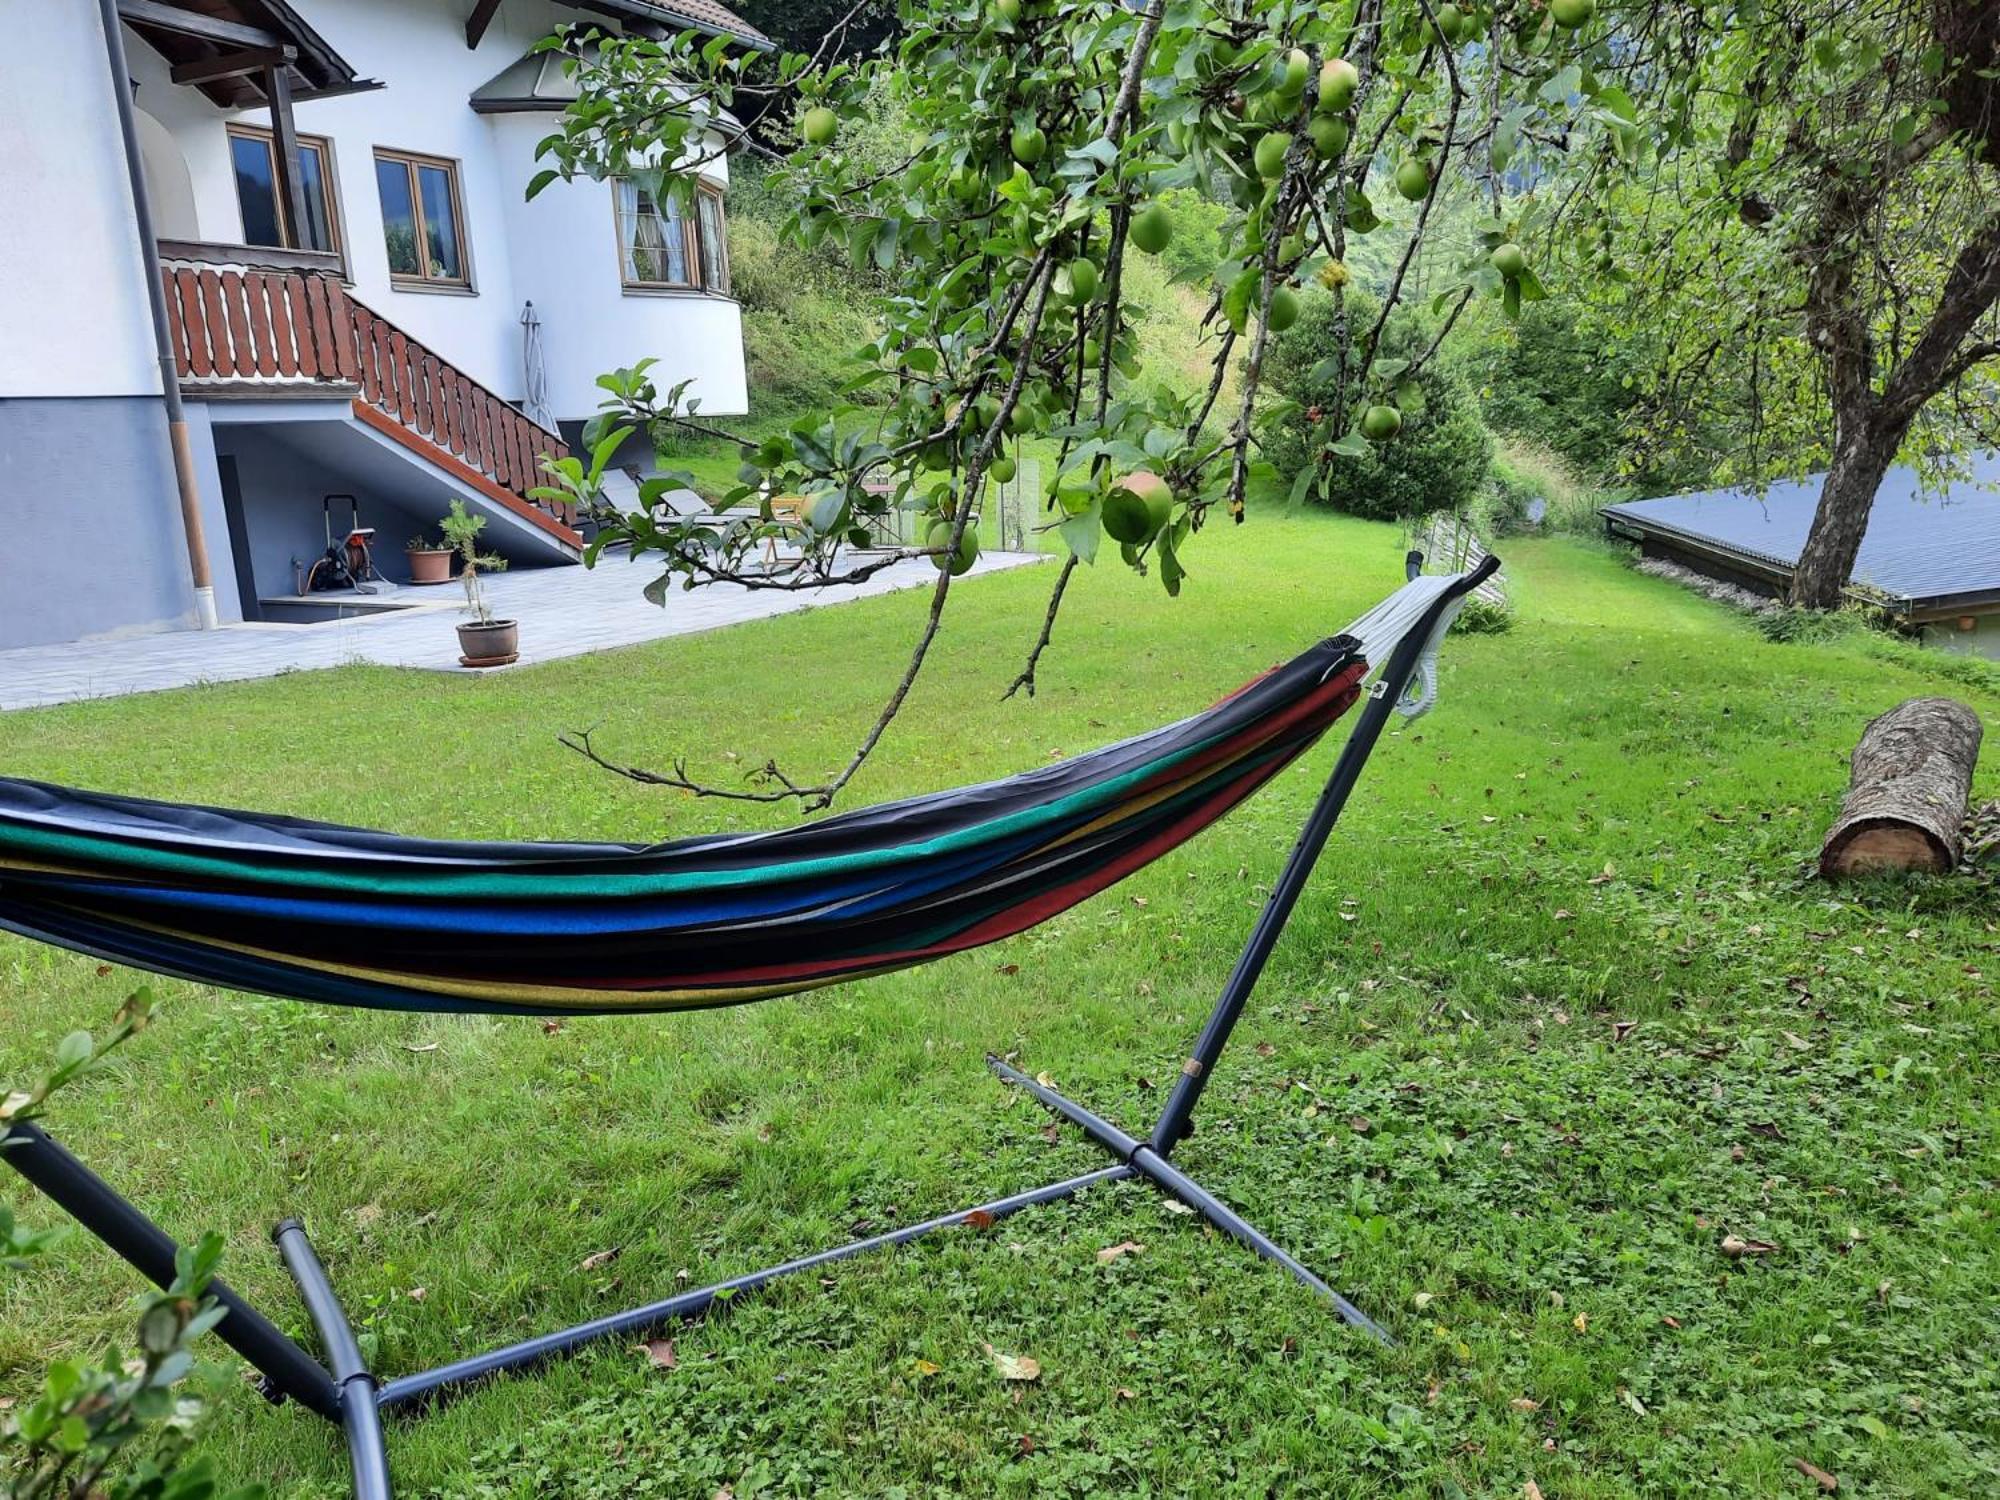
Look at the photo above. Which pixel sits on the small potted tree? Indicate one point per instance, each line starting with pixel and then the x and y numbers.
pixel 430 560
pixel 483 641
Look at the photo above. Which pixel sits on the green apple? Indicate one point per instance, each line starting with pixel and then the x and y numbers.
pixel 938 539
pixel 1028 144
pixel 1083 279
pixel 1152 227
pixel 1338 79
pixel 1284 309
pixel 1295 70
pixel 820 125
pixel 1413 179
pixel 1508 259
pixel 1329 135
pixel 1570 14
pixel 1270 155
pixel 1380 423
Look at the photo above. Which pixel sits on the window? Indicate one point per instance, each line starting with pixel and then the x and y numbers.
pixel 660 247
pixel 423 220
pixel 253 158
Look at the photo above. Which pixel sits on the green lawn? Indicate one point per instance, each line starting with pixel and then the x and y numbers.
pixel 1561 1009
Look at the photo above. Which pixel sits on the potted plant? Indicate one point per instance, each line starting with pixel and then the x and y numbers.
pixel 483 641
pixel 430 561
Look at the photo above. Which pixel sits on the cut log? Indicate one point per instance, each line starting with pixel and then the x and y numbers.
pixel 1910 776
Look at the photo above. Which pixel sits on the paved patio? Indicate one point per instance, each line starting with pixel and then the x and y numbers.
pixel 563 612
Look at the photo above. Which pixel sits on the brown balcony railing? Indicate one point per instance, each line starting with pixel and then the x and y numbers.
pixel 243 329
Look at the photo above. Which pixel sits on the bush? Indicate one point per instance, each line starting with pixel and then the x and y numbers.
pixel 1551 381
pixel 1479 616
pixel 1533 486
pixel 1437 462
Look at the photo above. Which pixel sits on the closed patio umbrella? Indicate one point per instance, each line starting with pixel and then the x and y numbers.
pixel 536 389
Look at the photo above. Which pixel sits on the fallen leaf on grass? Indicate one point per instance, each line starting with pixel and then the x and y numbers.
pixel 1736 1247
pixel 1631 1400
pixel 659 1353
pixel 1008 971
pixel 1622 1029
pixel 1817 1475
pixel 1052 1133
pixel 1531 1491
pixel 1126 1393
pixel 550 1028
pixel 601 1259
pixel 426 1047
pixel 925 1367
pixel 1359 1124
pixel 1175 1206
pixel 1670 1320
pixel 1265 1049
pixel 1524 1403
pixel 1113 1252
pixel 1019 1367
pixel 979 1218
pixel 1581 1322
pixel 417 1293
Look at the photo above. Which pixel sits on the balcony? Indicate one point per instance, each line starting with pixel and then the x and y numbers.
pixel 251 323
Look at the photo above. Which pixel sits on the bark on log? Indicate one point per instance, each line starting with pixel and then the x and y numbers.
pixel 1911 774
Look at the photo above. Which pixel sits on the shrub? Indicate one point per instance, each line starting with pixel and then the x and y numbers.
pixel 1550 380
pixel 1478 616
pixel 1437 462
pixel 1532 485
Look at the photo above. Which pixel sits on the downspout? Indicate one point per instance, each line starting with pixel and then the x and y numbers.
pixel 170 384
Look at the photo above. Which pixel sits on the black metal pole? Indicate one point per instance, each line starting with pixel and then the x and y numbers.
pixel 288 1370
pixel 1148 1163
pixel 421 1387
pixel 367 1450
pixel 1175 1120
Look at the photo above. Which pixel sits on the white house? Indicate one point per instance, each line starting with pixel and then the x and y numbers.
pixel 317 284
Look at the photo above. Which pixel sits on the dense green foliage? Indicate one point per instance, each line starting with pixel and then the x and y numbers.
pixel 1436 1097
pixel 1556 381
pixel 1440 458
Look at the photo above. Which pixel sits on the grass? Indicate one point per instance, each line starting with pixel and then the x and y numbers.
pixel 1561 1010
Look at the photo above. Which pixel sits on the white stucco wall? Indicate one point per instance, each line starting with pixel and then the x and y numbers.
pixel 565 247
pixel 73 313
pixel 561 251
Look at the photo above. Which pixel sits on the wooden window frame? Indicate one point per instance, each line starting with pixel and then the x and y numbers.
pixel 421 280
pixel 336 226
pixel 697 284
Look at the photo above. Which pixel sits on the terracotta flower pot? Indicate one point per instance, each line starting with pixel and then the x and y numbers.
pixel 429 564
pixel 490 645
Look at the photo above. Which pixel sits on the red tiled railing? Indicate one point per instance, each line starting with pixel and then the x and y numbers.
pixel 244 329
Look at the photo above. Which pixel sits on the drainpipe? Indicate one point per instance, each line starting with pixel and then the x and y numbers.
pixel 170 384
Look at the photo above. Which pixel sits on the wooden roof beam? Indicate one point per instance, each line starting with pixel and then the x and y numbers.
pixel 172 18
pixel 234 64
pixel 479 20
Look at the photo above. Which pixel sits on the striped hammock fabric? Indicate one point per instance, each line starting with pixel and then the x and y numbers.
pixel 315 911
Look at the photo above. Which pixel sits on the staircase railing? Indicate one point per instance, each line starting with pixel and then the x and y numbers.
pixel 244 329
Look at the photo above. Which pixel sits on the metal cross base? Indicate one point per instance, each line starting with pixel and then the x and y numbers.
pixel 345 1391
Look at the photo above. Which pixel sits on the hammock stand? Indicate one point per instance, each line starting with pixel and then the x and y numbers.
pixel 346 1392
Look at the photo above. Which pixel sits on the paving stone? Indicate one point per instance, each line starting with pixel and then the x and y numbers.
pixel 563 612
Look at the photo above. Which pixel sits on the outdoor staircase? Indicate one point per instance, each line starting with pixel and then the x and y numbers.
pixel 242 328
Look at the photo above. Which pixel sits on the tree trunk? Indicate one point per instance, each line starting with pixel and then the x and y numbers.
pixel 1827 560
pixel 1911 773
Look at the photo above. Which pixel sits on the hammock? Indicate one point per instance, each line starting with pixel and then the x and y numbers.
pixel 283 906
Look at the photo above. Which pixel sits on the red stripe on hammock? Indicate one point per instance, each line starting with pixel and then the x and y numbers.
pixel 1337 693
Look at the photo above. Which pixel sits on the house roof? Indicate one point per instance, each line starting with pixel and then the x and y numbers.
pixel 538 81
pixel 1924 547
pixel 189 33
pixel 693 15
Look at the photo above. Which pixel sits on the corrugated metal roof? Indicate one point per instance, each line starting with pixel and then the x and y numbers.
pixel 1921 544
